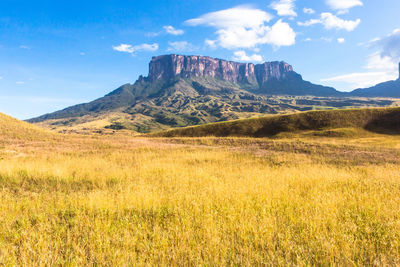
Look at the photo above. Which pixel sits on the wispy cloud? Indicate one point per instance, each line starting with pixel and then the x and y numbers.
pixel 341 40
pixel 181 46
pixel 330 21
pixel 361 79
pixel 284 7
pixel 20 82
pixel 24 47
pixel 309 11
pixel 382 65
pixel 326 39
pixel 127 48
pixel 245 27
pixel 343 6
pixel 171 30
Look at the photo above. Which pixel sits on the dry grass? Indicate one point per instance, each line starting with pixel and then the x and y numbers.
pixel 120 201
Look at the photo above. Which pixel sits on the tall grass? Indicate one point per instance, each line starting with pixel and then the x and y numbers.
pixel 123 201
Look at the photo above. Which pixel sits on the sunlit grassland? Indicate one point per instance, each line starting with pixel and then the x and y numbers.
pixel 200 201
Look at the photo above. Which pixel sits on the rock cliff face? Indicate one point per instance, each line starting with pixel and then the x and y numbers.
pixel 169 66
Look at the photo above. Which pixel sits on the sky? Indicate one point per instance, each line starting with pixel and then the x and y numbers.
pixel 54 54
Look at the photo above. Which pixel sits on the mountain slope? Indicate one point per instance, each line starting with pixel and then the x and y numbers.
pixel 381 120
pixel 191 90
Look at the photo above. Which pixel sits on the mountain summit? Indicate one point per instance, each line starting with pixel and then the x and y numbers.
pixel 188 90
pixel 170 66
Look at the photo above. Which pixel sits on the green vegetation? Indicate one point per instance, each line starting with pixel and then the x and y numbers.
pixel 323 123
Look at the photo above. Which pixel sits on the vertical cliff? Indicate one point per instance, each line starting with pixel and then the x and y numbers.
pixel 169 66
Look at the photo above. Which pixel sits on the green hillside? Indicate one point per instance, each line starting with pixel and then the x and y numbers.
pixel 329 123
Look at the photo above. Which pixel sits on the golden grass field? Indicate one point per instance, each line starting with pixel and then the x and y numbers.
pixel 121 201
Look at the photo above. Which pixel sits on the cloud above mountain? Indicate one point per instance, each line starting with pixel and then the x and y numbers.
pixel 245 27
pixel 127 48
pixel 343 6
pixel 242 56
pixel 330 21
pixel 171 30
pixel 181 46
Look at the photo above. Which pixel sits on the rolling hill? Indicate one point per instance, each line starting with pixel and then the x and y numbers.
pixel 11 128
pixel 329 123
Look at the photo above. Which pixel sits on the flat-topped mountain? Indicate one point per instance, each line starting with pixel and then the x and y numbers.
pixel 267 78
pixel 189 90
pixel 170 66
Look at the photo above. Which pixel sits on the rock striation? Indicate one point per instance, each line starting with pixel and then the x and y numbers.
pixel 170 66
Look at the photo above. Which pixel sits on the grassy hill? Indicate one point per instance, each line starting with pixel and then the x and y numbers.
pixel 11 128
pixel 329 123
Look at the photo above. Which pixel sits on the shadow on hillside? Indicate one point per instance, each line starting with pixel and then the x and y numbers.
pixel 388 123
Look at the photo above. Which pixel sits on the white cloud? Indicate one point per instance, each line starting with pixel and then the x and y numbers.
pixel 379 61
pixel 307 40
pixel 309 22
pixel 326 39
pixel 19 82
pixel 284 7
pixel 245 27
pixel 341 40
pixel 381 66
pixel 307 10
pixel 388 46
pixel 331 21
pixel 361 79
pixel 242 56
pixel 343 6
pixel 171 30
pixel 181 46
pixel 240 16
pixel 281 34
pixel 127 48
pixel 211 43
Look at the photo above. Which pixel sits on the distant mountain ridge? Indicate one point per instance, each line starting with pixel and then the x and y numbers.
pixel 189 90
pixel 385 89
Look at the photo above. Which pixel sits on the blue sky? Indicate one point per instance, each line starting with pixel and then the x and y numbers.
pixel 54 54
